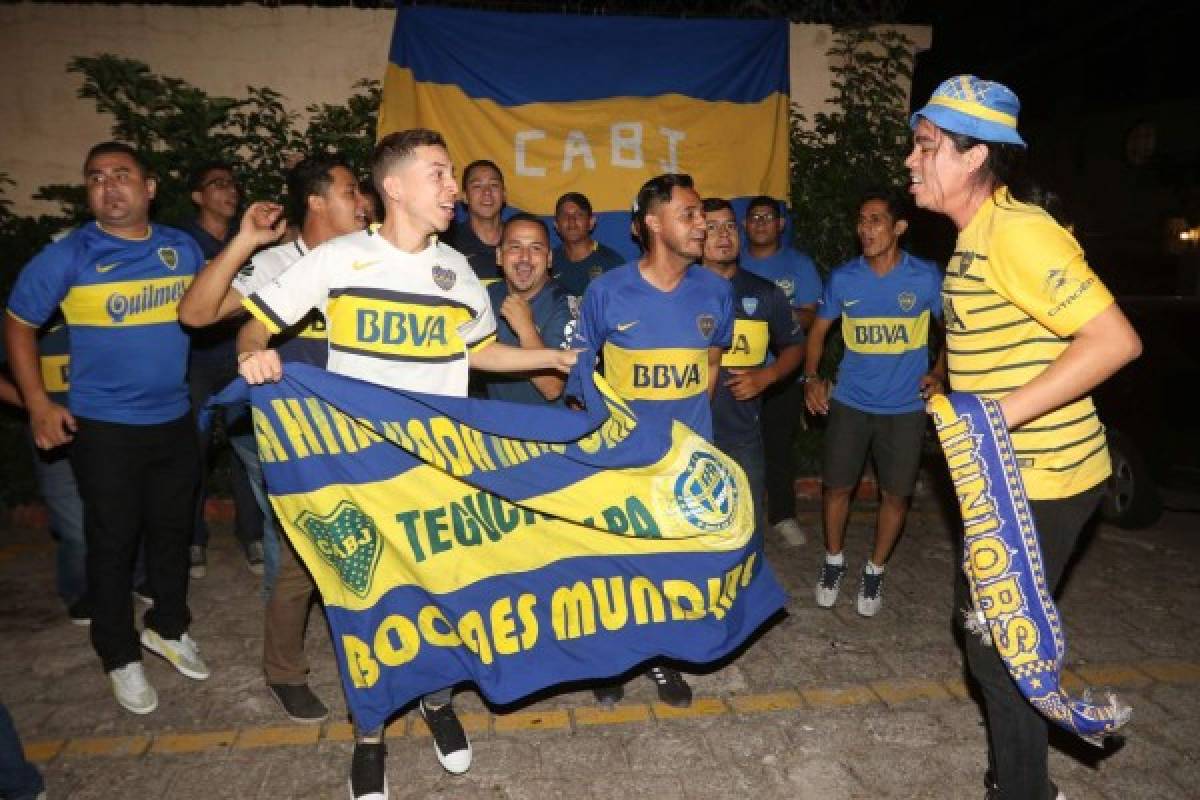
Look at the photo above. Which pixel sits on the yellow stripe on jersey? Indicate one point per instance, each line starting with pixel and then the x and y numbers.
pixel 263 314
pixel 124 303
pixel 394 328
pixel 1015 288
pixel 55 375
pixel 885 335
pixel 315 329
pixel 663 373
pixel 749 348
pixel 482 343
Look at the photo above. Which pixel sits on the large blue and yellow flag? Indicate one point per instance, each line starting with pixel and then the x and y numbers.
pixel 456 540
pixel 596 104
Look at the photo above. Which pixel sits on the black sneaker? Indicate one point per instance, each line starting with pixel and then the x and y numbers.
pixel 829 582
pixel 254 557
pixel 993 791
pixel 672 688
pixel 299 702
pixel 80 612
pixel 142 593
pixel 368 771
pixel 870 593
pixel 608 696
pixel 450 741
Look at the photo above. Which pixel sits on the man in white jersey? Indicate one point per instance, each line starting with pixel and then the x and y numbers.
pixel 324 201
pixel 402 310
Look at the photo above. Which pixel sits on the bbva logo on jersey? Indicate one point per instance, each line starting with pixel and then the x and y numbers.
pixel 666 376
pixel 399 327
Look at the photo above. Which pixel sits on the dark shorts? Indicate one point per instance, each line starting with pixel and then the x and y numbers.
pixel 893 440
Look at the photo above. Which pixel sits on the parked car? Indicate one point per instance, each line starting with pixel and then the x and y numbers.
pixel 1150 410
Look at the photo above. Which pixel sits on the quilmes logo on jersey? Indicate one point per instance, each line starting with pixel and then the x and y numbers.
pixel 121 306
pixel 907 301
pixel 169 256
pixel 749 304
pixel 349 542
pixel 707 323
pixel 706 493
pixel 444 278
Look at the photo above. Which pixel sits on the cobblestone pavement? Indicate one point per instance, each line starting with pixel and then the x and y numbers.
pixel 823 704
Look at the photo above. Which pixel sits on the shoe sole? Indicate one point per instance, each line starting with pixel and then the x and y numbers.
pixel 138 711
pixel 198 572
pixel 353 796
pixel 867 614
pixel 256 569
pixel 148 642
pixel 83 623
pixel 301 720
pixel 793 538
pixel 829 603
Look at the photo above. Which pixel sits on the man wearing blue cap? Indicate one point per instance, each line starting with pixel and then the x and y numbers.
pixel 1030 325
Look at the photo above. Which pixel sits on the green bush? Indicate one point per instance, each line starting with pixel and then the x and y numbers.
pixel 858 146
pixel 177 127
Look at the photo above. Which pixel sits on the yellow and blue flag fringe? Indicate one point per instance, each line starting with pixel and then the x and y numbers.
pixel 1002 559
pixel 455 539
pixel 596 104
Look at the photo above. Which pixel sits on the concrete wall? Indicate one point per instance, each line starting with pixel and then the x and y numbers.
pixel 310 55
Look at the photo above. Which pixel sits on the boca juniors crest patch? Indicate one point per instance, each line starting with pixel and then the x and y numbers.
pixel 707 324
pixel 444 278
pixel 169 257
pixel 906 300
pixel 749 304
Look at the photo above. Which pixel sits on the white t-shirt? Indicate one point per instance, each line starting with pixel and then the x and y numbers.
pixel 267 265
pixel 404 320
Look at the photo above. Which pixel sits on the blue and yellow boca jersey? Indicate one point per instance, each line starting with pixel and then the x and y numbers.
pixel 763 326
pixel 791 270
pixel 654 344
pixel 554 318
pixel 54 355
pixel 128 352
pixel 885 326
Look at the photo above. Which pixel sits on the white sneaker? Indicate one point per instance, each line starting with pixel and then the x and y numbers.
pixel 133 691
pixel 790 530
pixel 183 653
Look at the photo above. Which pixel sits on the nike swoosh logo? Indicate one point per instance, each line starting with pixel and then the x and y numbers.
pixel 624 326
pixel 103 268
pixel 363 264
pixel 849 303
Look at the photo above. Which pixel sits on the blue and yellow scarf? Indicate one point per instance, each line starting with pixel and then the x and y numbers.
pixel 1002 559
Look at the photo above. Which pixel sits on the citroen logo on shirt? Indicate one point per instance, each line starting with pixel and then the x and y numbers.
pixel 103 268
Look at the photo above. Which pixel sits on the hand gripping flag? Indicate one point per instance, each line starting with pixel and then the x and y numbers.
pixel 1002 559
pixel 596 104
pixel 456 540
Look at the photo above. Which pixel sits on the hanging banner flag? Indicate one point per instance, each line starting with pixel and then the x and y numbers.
pixel 597 105
pixel 1002 557
pixel 455 539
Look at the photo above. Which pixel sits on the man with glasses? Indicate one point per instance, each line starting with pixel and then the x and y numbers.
pixel 767 256
pixel 211 366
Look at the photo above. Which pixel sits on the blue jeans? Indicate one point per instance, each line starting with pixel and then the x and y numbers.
pixel 751 456
pixel 19 780
pixel 241 439
pixel 56 482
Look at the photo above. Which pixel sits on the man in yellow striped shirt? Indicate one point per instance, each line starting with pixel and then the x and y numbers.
pixel 1029 324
